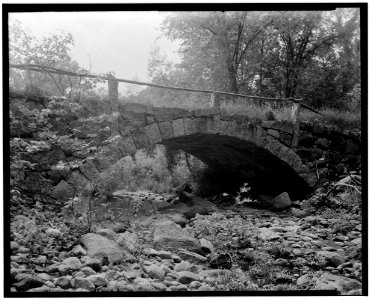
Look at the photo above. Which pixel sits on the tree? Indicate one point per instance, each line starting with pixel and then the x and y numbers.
pixel 215 44
pixel 52 51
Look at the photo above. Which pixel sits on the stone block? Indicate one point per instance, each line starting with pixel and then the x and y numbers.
pixel 153 133
pixel 166 130
pixel 213 124
pixel 89 169
pixel 178 127
pixel 126 145
pixel 228 127
pixel 250 133
pixel 291 156
pixel 167 114
pixel 200 124
pixel 189 126
pixel 140 138
pixel 274 133
pixel 204 112
pixel 260 136
pixel 283 152
pixel 273 145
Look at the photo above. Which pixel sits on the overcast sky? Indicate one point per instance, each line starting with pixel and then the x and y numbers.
pixel 115 41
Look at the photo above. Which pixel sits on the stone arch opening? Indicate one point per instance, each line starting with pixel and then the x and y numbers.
pixel 235 161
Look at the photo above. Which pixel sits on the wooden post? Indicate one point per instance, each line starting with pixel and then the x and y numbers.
pixel 215 102
pixel 296 106
pixel 113 101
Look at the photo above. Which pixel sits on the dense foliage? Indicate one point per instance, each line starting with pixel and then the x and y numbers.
pixel 310 55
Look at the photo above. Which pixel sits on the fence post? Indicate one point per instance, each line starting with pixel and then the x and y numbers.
pixel 215 103
pixel 113 101
pixel 296 106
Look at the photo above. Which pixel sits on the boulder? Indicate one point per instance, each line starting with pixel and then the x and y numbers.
pixel 100 246
pixel 282 201
pixel 169 236
pixel 341 284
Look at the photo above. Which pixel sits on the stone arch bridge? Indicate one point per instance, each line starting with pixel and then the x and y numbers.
pixel 235 144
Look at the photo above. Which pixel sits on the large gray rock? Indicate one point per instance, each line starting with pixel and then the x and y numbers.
pixel 282 201
pixel 169 236
pixel 341 284
pixel 332 259
pixel 100 246
pixel 63 191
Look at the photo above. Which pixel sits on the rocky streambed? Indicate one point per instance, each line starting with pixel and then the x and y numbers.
pixel 186 247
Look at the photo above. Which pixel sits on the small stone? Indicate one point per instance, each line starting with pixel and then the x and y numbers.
pixel 206 245
pixel 98 280
pixel 177 288
pixel 205 287
pixel 195 284
pixel 357 241
pixel 159 286
pixel 52 269
pixel 78 251
pixel 49 284
pixel 14 245
pixel 187 277
pixel 23 249
pixel 155 271
pixel 64 282
pixel 192 257
pixel 183 266
pixel 303 280
pixel 53 232
pixel 281 262
pixel 83 283
pixel 79 274
pixel 72 263
pixel 63 269
pixel 107 232
pixel 94 264
pixel 44 276
pixel 164 254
